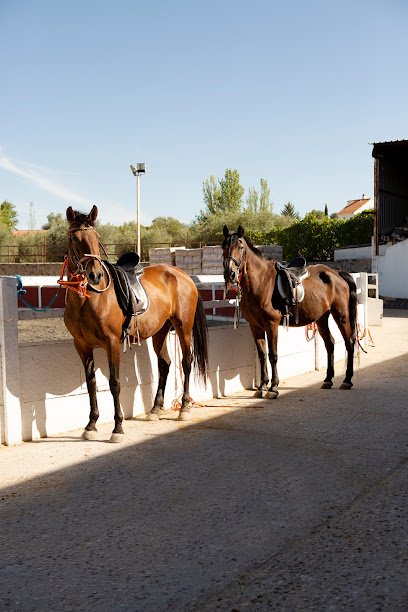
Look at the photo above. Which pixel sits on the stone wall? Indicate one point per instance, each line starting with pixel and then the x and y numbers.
pixel 350 265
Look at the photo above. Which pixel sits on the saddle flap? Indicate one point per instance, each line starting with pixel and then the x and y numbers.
pixel 289 281
pixel 130 293
pixel 131 266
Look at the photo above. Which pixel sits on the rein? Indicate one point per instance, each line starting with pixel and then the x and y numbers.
pixel 241 265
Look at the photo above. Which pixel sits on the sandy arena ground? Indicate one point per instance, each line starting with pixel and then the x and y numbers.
pixel 297 504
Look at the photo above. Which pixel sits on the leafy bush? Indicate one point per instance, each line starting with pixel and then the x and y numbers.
pixel 316 238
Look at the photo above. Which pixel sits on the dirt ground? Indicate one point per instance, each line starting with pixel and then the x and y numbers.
pixel 42 330
pixel 295 504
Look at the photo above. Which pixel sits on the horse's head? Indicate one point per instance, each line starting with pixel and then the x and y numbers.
pixel 234 254
pixel 83 244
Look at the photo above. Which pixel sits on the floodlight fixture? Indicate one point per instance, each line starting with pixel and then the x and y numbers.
pixel 140 168
pixel 137 170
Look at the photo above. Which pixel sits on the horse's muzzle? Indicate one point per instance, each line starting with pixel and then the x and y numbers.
pixel 94 278
pixel 230 275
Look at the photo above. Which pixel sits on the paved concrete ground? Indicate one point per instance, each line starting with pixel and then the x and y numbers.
pixel 295 504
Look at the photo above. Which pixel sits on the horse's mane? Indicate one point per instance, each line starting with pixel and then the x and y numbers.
pixel 257 252
pixel 253 248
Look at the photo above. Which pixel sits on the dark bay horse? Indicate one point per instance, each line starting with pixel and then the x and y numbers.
pixel 327 291
pixel 94 319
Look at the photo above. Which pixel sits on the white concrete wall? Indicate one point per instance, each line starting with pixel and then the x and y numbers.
pixel 54 396
pixel 392 271
pixel 362 252
pixel 357 252
pixel 43 390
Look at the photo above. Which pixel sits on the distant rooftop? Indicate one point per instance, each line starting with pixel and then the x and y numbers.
pixel 353 206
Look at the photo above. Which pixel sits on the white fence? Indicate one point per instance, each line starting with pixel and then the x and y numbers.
pixel 42 384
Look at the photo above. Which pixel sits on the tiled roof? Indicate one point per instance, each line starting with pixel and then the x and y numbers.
pixel 353 206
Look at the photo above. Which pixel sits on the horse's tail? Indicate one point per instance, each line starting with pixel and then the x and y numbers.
pixel 352 304
pixel 199 348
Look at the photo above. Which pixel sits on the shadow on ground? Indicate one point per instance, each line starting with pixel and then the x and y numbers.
pixel 239 511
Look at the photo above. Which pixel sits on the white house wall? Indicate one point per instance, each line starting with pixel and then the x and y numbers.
pixel 393 271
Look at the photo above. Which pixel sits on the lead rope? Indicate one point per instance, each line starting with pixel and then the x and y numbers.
pixel 237 311
pixel 311 327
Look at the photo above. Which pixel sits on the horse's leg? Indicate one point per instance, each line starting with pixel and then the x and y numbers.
pixel 163 358
pixel 324 331
pixel 87 358
pixel 113 351
pixel 344 326
pixel 184 336
pixel 272 335
pixel 259 338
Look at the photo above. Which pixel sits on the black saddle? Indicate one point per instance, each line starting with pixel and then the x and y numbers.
pixel 289 283
pixel 296 267
pixel 131 296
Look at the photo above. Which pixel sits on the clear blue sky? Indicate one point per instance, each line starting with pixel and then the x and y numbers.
pixel 290 91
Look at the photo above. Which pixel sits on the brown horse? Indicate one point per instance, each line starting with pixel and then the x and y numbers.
pixel 326 292
pixel 94 319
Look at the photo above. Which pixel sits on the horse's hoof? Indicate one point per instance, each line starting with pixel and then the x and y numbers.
pixel 89 434
pixel 327 385
pixel 116 438
pixel 152 416
pixel 271 394
pixel 345 385
pixel 184 416
pixel 259 393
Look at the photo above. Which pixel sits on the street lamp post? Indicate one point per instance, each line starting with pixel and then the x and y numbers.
pixel 137 171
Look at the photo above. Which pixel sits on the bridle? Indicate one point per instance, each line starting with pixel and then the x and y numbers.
pixel 240 264
pixel 79 278
pixel 241 268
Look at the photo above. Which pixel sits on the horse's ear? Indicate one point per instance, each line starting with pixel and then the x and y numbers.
pixel 225 231
pixel 240 231
pixel 70 214
pixel 93 214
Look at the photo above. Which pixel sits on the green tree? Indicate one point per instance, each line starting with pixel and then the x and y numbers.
pixel 8 215
pixel 259 201
pixel 211 194
pixel 174 229
pixel 319 214
pixel 231 192
pixel 31 247
pixel 265 202
pixel 316 238
pixel 8 244
pixel 326 210
pixel 313 238
pixel 252 200
pixel 57 236
pixel 358 229
pixel 289 211
pixel 224 195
